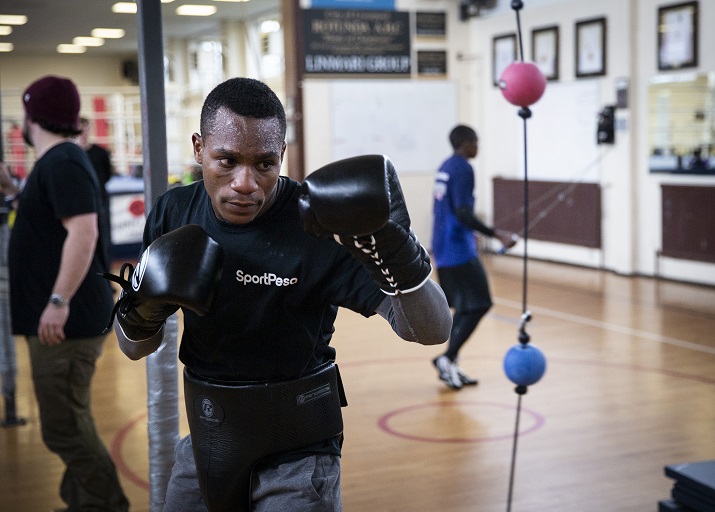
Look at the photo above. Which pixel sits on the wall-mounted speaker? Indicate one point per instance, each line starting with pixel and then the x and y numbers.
pixel 130 71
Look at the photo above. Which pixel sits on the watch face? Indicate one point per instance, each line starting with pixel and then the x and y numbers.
pixel 57 300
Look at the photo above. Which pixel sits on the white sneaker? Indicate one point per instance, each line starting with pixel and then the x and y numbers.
pixel 466 380
pixel 448 372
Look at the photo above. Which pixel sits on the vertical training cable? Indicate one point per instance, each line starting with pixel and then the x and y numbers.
pixel 522 84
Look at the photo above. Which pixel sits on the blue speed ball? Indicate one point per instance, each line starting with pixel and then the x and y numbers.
pixel 524 364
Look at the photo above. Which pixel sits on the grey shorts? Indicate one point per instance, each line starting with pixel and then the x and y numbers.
pixel 310 484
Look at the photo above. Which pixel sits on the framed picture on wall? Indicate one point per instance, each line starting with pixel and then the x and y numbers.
pixel 591 47
pixel 503 54
pixel 678 36
pixel 545 51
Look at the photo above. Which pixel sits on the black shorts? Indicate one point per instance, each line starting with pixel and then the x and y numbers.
pixel 466 286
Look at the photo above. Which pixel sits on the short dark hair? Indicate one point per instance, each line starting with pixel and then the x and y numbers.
pixel 243 96
pixel 60 129
pixel 461 134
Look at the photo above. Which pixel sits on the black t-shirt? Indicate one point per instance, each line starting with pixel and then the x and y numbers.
pixel 279 294
pixel 102 165
pixel 61 184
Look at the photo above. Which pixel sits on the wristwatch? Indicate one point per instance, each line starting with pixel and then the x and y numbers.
pixel 57 300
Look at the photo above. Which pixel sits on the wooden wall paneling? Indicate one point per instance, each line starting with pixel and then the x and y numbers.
pixel 688 222
pixel 559 211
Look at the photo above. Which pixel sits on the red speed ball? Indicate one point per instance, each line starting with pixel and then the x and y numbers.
pixel 522 83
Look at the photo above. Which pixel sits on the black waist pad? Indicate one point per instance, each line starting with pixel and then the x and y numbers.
pixel 234 425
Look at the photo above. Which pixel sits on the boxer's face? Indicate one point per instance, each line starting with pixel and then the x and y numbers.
pixel 241 160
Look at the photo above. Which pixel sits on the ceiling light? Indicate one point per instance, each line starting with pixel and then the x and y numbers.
pixel 5 30
pixel 108 33
pixel 196 10
pixel 6 47
pixel 125 8
pixel 13 19
pixel 88 41
pixel 269 26
pixel 166 1
pixel 70 48
pixel 242 1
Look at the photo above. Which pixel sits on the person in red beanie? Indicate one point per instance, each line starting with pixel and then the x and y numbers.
pixel 59 302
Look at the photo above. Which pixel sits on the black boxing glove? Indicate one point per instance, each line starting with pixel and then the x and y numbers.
pixel 179 269
pixel 359 202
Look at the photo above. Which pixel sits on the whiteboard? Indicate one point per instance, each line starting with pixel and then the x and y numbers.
pixel 562 133
pixel 406 120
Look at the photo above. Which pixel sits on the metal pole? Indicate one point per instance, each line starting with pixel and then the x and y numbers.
pixel 162 383
pixel 8 364
pixel 8 359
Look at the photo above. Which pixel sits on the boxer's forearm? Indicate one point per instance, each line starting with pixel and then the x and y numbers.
pixel 422 316
pixel 136 349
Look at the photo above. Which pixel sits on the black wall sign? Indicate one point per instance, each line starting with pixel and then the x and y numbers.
pixel 341 41
pixel 432 62
pixel 432 24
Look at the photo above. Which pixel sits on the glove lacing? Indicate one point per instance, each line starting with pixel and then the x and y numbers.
pixel 368 245
pixel 125 273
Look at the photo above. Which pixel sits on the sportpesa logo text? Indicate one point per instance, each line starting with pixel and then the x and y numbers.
pixel 267 279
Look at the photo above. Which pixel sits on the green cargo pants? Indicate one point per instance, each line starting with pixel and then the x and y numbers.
pixel 62 375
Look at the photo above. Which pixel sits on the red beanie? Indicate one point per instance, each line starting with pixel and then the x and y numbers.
pixel 53 101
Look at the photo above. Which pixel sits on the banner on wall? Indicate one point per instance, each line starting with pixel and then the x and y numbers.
pixel 356 42
pixel 127 216
pixel 126 209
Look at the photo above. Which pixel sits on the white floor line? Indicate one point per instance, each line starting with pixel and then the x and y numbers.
pixel 611 327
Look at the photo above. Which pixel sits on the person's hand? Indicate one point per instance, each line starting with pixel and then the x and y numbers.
pixel 51 330
pixel 507 238
pixel 7 185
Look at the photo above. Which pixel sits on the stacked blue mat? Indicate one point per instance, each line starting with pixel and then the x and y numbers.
pixel 694 488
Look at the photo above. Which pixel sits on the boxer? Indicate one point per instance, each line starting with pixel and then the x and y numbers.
pixel 262 389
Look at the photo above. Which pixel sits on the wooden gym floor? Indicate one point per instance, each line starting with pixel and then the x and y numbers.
pixel 629 388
